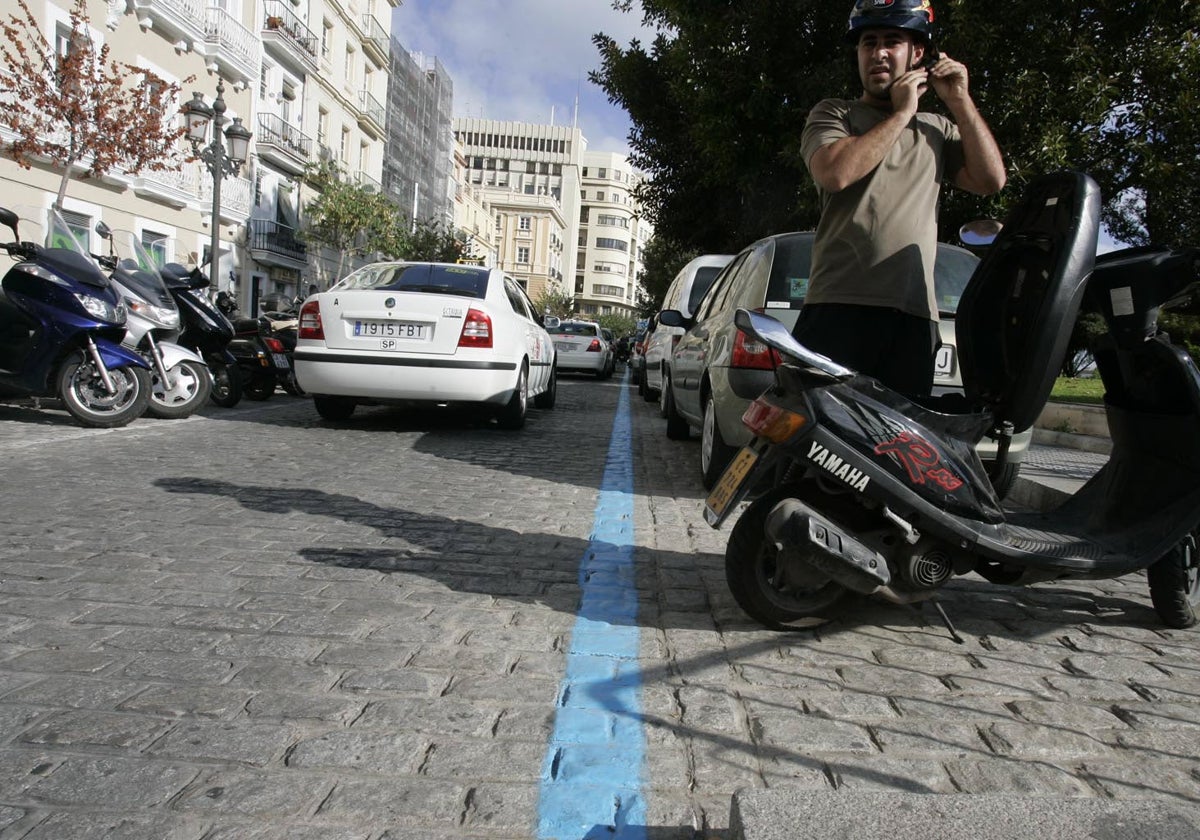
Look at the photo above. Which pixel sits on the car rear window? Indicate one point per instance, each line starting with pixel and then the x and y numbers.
pixel 574 329
pixel 790 272
pixel 466 281
pixel 951 271
pixel 704 278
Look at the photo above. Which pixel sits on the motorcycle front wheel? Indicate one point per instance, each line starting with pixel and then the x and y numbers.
pixel 1175 585
pixel 191 386
pixel 227 384
pixel 82 391
pixel 776 588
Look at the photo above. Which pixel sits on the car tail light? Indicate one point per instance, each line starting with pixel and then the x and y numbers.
pixel 273 344
pixel 310 321
pixel 477 330
pixel 594 347
pixel 769 421
pixel 750 353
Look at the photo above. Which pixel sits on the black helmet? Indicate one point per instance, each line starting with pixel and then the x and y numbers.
pixel 916 16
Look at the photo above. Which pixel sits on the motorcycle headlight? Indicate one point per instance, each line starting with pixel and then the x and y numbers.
pixel 101 310
pixel 161 315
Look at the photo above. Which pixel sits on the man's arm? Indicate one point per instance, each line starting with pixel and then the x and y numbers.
pixel 983 166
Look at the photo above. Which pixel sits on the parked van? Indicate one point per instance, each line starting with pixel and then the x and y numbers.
pixel 684 293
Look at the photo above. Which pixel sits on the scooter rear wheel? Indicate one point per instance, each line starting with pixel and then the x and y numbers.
pixel 1175 585
pixel 88 401
pixel 227 384
pixel 259 387
pixel 781 592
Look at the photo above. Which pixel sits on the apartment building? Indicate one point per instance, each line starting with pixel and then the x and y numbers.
pixel 474 221
pixel 610 237
pixel 308 78
pixel 529 175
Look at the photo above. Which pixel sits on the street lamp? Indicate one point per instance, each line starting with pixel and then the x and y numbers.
pixel 219 161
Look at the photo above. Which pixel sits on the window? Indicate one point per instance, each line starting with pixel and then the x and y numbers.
pixel 613 221
pixel 326 39
pixel 602 172
pixel 608 291
pixel 344 151
pixel 524 223
pixel 156 245
pixel 80 225
pixel 614 244
pixel 523 255
pixel 322 127
pixel 599 195
pixel 583 215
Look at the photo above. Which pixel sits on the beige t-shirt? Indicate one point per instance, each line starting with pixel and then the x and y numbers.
pixel 877 239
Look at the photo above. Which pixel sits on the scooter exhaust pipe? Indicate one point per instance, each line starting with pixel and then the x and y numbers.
pixel 827 548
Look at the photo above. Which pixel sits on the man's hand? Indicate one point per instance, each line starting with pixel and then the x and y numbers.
pixel 949 80
pixel 907 90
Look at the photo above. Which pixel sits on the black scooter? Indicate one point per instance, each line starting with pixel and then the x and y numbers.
pixel 874 494
pixel 260 356
pixel 205 330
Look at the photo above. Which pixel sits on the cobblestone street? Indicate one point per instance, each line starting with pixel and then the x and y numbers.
pixel 256 624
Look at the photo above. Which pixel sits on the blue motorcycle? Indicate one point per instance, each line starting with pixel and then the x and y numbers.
pixel 61 326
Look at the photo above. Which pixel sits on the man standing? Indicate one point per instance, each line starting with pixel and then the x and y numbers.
pixel 879 165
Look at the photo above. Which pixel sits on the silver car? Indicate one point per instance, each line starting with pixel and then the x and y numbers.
pixel 715 370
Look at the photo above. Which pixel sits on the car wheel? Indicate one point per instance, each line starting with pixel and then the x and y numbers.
pixel 677 427
pixel 334 408
pixel 549 397
pixel 715 453
pixel 512 416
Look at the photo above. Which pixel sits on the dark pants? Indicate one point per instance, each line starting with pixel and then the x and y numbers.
pixel 892 346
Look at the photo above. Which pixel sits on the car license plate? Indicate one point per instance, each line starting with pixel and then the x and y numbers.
pixel 564 346
pixel 391 329
pixel 719 500
pixel 281 361
pixel 943 363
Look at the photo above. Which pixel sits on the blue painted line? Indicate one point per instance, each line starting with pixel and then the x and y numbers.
pixel 592 775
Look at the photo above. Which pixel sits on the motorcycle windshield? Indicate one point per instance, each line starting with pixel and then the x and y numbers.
pixel 139 270
pixel 65 254
pixel 181 268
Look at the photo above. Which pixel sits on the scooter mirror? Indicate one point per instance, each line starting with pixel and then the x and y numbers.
pixel 10 220
pixel 103 231
pixel 979 233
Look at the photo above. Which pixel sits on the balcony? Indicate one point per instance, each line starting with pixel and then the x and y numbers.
pixel 376 43
pixel 230 47
pixel 286 37
pixel 174 188
pixel 236 196
pixel 282 144
pixel 179 21
pixel 371 114
pixel 367 182
pixel 272 243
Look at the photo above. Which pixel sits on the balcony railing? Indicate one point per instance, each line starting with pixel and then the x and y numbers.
pixel 231 46
pixel 276 238
pixel 367 182
pixel 369 108
pixel 236 195
pixel 275 133
pixel 279 24
pixel 174 19
pixel 376 37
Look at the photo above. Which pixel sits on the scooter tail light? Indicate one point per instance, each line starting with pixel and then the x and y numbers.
pixel 310 321
pixel 477 330
pixel 753 354
pixel 776 424
pixel 273 344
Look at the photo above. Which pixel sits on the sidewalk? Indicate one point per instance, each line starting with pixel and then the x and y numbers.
pixel 1055 466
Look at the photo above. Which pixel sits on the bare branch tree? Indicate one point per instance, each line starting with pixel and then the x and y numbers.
pixel 80 110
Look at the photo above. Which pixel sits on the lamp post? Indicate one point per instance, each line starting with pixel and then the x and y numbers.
pixel 219 161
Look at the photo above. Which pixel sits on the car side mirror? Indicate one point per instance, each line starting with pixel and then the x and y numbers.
pixel 674 318
pixel 550 322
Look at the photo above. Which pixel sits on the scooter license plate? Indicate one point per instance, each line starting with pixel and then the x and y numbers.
pixel 281 361
pixel 722 496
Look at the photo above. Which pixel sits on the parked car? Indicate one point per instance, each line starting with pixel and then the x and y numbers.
pixel 637 354
pixel 683 295
pixel 426 334
pixel 581 346
pixel 716 370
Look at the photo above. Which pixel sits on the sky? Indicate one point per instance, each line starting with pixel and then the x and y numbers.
pixel 524 60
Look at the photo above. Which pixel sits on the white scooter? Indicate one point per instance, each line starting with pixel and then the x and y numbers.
pixel 181 382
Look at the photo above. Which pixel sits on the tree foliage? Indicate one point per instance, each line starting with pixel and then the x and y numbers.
pixel 82 111
pixel 718 101
pixel 554 302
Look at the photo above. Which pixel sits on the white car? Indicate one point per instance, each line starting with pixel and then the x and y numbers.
pixel 581 346
pixel 412 333
pixel 684 294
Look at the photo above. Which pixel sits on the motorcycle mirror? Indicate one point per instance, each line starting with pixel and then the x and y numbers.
pixel 10 220
pixel 103 231
pixel 979 233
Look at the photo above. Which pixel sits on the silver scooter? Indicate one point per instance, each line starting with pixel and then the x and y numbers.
pixel 181 382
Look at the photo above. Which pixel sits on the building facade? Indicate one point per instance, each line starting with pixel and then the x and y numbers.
pixel 610 238
pixel 417 169
pixel 308 78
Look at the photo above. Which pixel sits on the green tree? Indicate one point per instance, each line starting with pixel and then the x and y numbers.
pixel 718 101
pixel 431 242
pixel 84 112
pixel 554 302
pixel 619 325
pixel 352 221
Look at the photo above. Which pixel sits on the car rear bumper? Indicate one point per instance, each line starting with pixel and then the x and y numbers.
pixel 592 362
pixel 404 379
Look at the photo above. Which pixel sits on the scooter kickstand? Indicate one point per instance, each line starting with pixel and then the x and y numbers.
pixel 937 605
